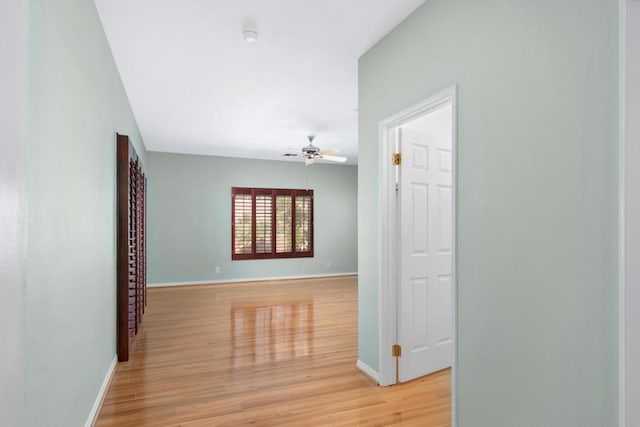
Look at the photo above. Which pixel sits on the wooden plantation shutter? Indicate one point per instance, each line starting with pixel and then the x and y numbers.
pixel 271 223
pixel 303 216
pixel 242 223
pixel 263 222
pixel 131 261
pixel 284 224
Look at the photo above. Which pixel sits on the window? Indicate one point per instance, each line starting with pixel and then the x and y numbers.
pixel 271 223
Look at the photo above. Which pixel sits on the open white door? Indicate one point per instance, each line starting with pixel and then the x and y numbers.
pixel 426 225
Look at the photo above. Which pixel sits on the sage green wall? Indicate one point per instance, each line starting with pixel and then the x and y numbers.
pixel 14 114
pixel 189 217
pixel 537 199
pixel 77 104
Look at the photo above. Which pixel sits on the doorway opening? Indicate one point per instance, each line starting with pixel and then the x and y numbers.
pixel 417 234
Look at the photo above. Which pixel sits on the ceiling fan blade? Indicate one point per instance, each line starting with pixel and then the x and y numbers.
pixel 308 161
pixel 329 151
pixel 334 158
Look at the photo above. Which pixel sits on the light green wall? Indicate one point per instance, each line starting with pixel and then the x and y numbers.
pixel 537 199
pixel 77 104
pixel 190 217
pixel 14 90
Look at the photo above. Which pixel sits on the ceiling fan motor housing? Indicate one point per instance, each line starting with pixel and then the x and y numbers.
pixel 310 150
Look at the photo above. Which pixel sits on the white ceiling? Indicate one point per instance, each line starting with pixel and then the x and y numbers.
pixel 196 86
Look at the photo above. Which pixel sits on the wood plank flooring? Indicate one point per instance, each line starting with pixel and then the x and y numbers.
pixel 267 354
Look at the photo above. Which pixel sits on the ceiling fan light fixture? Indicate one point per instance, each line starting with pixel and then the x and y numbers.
pixel 311 153
pixel 250 36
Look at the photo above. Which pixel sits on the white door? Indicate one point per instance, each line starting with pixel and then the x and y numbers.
pixel 426 208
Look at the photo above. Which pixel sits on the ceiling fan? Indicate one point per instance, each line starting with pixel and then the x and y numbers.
pixel 311 152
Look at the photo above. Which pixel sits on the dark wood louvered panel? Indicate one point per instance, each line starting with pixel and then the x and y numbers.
pixel 131 245
pixel 138 222
pixel 133 248
pixel 143 238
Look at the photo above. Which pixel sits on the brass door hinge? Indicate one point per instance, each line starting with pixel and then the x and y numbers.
pixel 396 159
pixel 396 350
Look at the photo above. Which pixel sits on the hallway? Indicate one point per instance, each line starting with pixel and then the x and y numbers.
pixel 268 353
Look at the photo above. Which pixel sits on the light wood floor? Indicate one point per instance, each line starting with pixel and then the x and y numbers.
pixel 266 354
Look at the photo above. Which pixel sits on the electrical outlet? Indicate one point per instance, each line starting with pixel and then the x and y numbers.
pixel 328 264
pixel 217 269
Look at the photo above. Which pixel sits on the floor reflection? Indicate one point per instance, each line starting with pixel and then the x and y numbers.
pixel 263 333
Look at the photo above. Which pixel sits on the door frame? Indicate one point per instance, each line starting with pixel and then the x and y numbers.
pixel 388 268
pixel 628 202
pixel 622 198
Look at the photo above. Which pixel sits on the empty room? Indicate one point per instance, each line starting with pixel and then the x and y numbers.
pixel 319 213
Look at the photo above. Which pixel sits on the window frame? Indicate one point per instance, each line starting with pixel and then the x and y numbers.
pixel 274 193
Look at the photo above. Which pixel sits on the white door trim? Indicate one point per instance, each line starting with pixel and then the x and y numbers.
pixel 388 244
pixel 628 208
pixel 622 144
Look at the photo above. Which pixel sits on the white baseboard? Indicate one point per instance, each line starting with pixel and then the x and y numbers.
pixel 101 393
pixel 368 370
pixel 252 279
